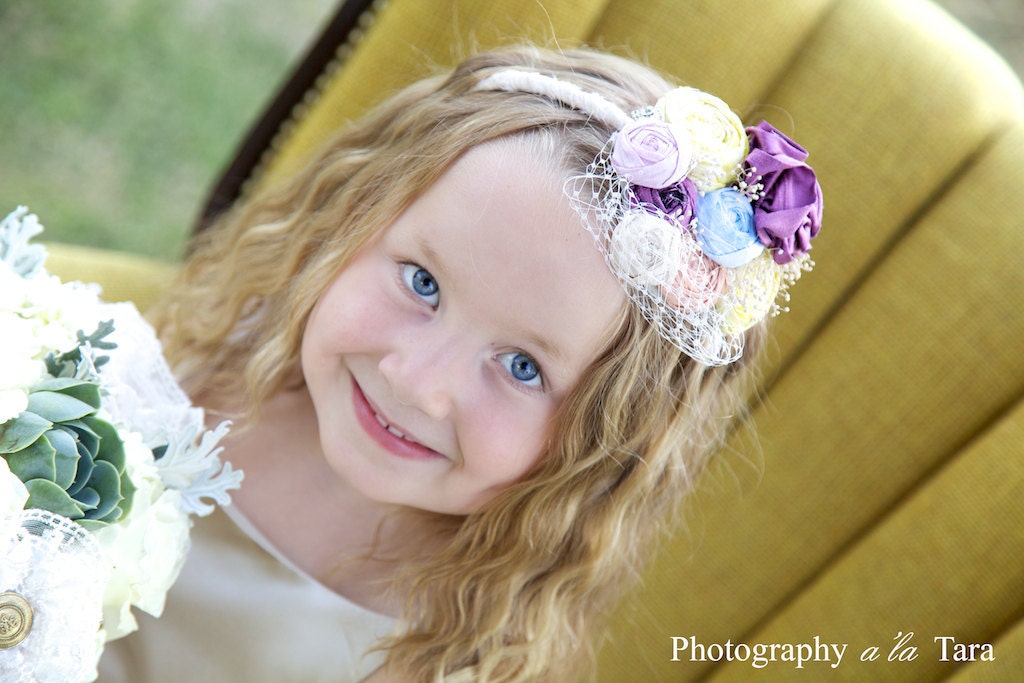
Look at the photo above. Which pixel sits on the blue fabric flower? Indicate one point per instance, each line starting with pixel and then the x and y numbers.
pixel 725 228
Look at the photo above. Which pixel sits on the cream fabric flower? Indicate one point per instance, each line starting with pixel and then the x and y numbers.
pixel 718 138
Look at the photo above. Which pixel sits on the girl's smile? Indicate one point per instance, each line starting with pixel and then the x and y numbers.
pixel 386 434
pixel 438 356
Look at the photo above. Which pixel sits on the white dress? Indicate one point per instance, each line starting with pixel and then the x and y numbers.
pixel 241 612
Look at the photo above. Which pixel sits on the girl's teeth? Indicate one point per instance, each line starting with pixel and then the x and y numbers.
pixel 388 427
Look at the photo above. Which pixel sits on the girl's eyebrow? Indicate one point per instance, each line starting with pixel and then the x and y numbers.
pixel 435 262
pixel 547 348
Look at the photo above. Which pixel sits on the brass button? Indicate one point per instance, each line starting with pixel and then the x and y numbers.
pixel 15 619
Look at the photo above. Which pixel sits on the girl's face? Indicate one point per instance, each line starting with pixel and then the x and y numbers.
pixel 437 358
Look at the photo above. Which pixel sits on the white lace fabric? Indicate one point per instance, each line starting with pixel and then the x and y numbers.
pixel 142 389
pixel 58 568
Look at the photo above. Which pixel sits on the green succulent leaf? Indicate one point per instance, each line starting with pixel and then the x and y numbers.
pixel 57 407
pixel 82 476
pixel 83 390
pixel 45 495
pixel 35 461
pixel 88 443
pixel 106 482
pixel 86 437
pixel 66 458
pixel 22 431
pixel 111 448
pixel 88 499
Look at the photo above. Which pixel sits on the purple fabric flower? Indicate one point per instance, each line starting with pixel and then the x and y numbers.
pixel 677 202
pixel 651 153
pixel 788 216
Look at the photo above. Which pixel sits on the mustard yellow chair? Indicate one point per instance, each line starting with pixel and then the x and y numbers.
pixel 877 500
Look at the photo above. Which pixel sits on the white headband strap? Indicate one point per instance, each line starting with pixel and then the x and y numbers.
pixel 569 94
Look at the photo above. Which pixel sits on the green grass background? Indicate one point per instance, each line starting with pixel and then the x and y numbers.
pixel 117 115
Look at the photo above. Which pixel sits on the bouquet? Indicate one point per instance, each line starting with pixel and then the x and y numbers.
pixel 103 461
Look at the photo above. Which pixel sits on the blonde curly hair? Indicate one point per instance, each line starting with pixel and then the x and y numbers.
pixel 519 587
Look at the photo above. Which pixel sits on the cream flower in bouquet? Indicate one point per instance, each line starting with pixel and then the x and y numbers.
pixel 103 461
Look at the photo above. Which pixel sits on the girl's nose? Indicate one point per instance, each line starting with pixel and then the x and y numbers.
pixel 422 373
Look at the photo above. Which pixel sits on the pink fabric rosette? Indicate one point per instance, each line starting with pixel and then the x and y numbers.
pixel 651 153
pixel 698 282
pixel 788 216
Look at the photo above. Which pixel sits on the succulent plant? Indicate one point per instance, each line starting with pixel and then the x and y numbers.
pixel 71 461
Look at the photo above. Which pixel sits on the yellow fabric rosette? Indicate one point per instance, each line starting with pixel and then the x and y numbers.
pixel 754 289
pixel 718 137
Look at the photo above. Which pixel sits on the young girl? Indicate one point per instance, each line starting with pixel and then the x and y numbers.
pixel 481 347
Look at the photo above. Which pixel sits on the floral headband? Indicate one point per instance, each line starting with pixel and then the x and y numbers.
pixel 706 224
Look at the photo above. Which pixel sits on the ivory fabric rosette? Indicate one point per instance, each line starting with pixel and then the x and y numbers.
pixel 103 461
pixel 645 249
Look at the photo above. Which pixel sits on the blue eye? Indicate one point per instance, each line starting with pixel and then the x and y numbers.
pixel 522 368
pixel 422 283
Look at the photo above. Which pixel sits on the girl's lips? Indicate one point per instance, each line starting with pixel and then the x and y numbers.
pixel 388 436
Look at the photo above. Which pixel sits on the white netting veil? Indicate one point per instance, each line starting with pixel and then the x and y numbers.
pixel 660 266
